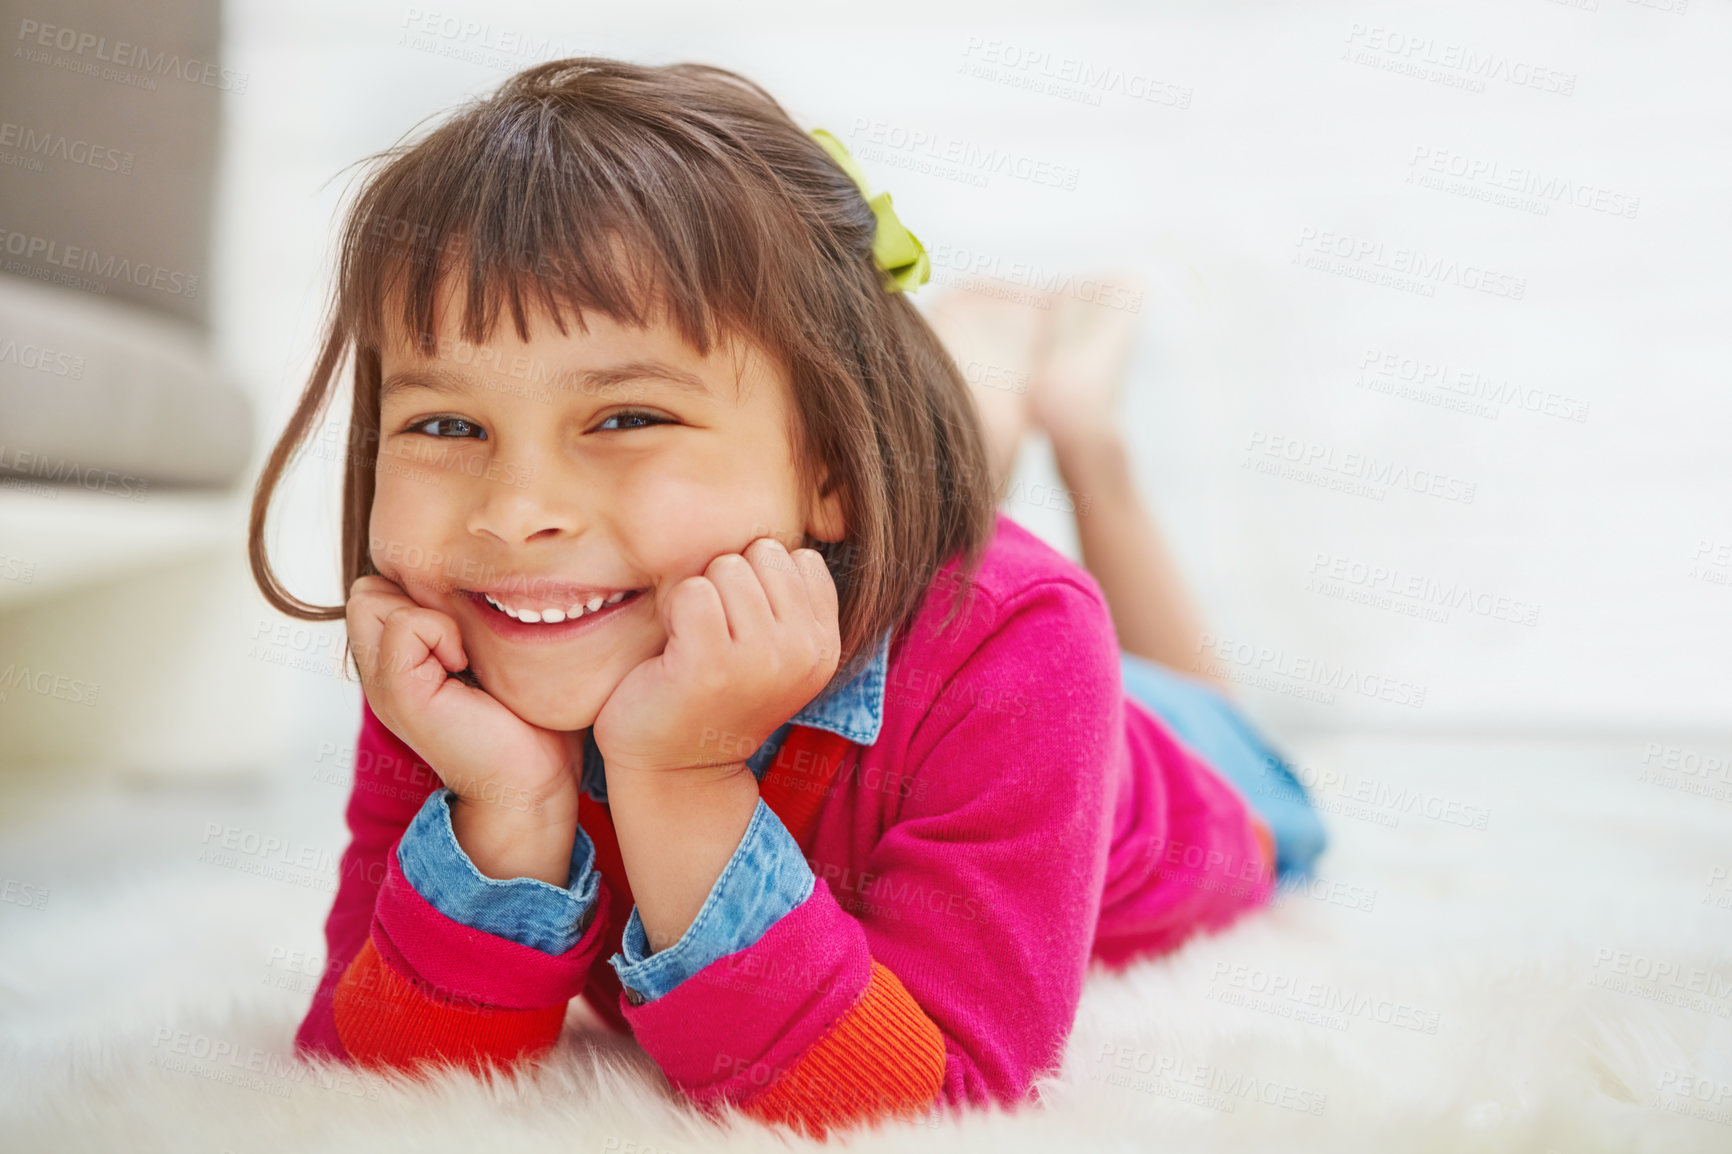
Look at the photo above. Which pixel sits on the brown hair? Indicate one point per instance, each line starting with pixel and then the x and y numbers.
pixel 592 183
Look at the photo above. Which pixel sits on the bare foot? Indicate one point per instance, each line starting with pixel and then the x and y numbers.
pixel 1076 386
pixel 996 344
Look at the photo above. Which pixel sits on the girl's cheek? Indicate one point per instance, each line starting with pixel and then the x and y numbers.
pixel 690 520
pixel 681 530
pixel 403 542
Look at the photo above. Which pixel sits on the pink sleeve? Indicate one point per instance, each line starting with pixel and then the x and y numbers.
pixel 950 966
pixel 405 985
pixel 391 783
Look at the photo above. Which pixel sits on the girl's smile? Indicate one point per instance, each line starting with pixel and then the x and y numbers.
pixel 512 618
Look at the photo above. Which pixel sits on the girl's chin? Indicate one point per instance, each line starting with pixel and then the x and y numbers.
pixel 562 715
pixel 560 718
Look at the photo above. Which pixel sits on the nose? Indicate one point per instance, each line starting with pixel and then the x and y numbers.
pixel 521 502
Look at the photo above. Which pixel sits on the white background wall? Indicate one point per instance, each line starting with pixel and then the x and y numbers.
pixel 1287 134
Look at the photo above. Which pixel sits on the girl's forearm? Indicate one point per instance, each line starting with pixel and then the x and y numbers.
pixel 677 829
pixel 508 843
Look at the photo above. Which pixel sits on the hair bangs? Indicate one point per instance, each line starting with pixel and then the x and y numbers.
pixel 538 215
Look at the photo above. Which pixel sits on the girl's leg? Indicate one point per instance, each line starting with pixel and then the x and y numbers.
pixel 1073 356
pixel 995 343
pixel 1074 399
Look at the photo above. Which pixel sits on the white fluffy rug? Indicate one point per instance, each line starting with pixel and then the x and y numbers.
pixel 1560 979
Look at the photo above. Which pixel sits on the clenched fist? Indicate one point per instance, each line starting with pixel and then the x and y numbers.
pixel 750 641
pixel 512 779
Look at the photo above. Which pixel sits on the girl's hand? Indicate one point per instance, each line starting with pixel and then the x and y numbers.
pixel 488 756
pixel 750 642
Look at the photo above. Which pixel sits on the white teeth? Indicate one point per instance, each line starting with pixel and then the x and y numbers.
pixel 553 616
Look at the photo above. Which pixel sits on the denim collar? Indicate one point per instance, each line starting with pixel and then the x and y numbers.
pixel 851 707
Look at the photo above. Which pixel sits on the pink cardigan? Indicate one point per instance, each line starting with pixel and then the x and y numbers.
pixel 1017 818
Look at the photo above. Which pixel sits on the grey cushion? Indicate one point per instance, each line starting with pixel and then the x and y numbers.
pixel 108 148
pixel 109 132
pixel 106 395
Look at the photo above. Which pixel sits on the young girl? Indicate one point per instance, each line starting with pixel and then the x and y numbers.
pixel 702 678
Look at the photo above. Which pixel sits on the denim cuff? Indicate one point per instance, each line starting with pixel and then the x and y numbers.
pixel 528 911
pixel 765 879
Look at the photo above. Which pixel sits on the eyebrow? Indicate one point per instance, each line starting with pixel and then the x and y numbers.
pixel 440 380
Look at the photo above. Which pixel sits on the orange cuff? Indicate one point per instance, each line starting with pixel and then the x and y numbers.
pixel 384 1020
pixel 884 1056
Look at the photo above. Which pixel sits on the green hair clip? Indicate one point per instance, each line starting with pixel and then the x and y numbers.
pixel 898 253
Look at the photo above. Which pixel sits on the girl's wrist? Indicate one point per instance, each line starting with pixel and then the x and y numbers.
pixel 677 830
pixel 505 842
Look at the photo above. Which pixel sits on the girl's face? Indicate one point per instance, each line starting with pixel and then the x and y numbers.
pixel 551 473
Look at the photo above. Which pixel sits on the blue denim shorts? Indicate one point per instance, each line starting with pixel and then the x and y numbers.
pixel 1215 728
